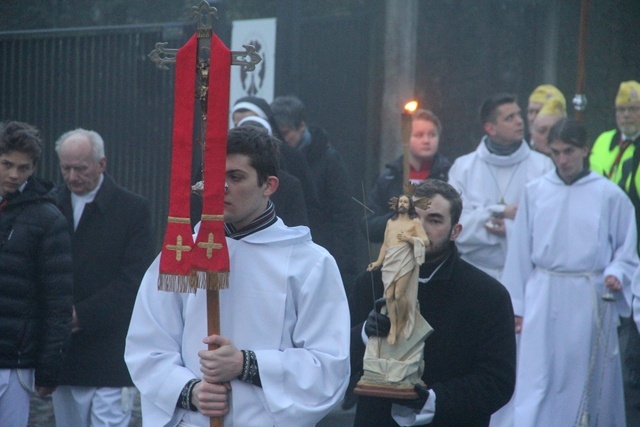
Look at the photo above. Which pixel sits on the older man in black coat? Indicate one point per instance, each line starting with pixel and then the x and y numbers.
pixel 112 247
pixel 469 359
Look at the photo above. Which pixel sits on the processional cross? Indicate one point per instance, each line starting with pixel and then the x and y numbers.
pixel 202 73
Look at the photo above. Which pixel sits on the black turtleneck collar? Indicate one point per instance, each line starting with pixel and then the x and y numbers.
pixel 264 220
pixel 501 150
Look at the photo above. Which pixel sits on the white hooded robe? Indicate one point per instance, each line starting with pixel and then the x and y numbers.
pixel 285 301
pixel 566 240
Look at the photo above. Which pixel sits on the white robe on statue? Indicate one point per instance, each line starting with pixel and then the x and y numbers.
pixel 400 260
pixel 566 240
pixel 487 183
pixel 285 301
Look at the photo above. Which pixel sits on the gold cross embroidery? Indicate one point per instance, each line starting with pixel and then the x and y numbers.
pixel 210 245
pixel 179 248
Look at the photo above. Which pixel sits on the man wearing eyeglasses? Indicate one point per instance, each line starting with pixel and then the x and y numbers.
pixel 616 155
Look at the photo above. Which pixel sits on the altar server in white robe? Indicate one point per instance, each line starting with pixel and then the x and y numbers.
pixel 491 180
pixel 571 258
pixel 284 344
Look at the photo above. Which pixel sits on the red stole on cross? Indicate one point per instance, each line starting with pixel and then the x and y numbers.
pixel 185 266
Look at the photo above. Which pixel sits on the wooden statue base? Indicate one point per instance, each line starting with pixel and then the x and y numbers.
pixel 386 391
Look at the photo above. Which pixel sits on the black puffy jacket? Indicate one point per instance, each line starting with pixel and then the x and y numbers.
pixel 36 283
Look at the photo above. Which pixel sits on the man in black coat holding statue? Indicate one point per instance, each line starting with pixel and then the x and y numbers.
pixel 469 359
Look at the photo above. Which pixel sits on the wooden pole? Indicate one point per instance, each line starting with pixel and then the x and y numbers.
pixel 400 29
pixel 580 99
pixel 204 30
pixel 213 328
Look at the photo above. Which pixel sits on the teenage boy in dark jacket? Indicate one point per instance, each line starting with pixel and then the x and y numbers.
pixel 35 277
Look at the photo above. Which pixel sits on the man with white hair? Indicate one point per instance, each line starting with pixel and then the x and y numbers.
pixel 112 247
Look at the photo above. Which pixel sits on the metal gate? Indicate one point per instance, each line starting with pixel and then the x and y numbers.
pixel 98 79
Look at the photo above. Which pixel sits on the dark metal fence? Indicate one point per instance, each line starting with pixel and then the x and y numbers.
pixel 99 79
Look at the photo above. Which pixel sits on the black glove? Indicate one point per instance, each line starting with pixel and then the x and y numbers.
pixel 377 324
pixel 415 404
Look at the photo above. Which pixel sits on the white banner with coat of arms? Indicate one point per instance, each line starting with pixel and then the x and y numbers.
pixel 261 33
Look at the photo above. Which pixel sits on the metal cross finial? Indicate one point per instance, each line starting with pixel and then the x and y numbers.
pixel 163 56
pixel 204 15
pixel 247 59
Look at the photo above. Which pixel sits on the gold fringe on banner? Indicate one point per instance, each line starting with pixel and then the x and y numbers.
pixel 209 280
pixel 175 283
